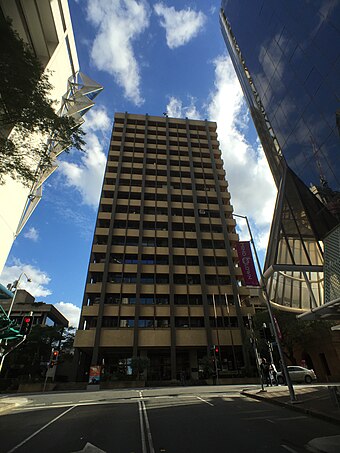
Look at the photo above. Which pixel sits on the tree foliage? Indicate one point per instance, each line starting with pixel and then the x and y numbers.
pixel 28 120
pixel 295 332
pixel 31 358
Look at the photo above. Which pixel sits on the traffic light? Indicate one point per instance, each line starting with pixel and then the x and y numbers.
pixel 266 334
pixel 26 325
pixel 54 358
pixel 216 349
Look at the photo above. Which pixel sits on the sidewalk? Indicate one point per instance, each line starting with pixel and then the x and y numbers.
pixel 318 401
pixel 8 403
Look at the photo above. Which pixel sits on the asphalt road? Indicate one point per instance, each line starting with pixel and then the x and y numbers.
pixel 179 420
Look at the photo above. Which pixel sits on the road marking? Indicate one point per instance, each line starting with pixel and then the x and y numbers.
pixel 255 418
pixel 288 448
pixel 205 401
pixel 141 427
pixel 147 425
pixel 270 421
pixel 299 417
pixel 41 429
pixel 64 402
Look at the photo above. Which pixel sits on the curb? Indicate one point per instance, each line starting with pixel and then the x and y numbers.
pixel 5 407
pixel 310 412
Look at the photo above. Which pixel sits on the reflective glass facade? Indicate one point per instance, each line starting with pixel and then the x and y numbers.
pixel 292 51
pixel 287 57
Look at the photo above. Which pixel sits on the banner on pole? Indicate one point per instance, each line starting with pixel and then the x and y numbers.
pixel 247 263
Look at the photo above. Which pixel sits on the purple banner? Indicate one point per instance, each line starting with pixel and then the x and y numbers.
pixel 247 263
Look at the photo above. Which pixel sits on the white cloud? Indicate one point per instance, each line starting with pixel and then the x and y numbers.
pixel 118 24
pixel 97 120
pixel 176 109
pixel 87 175
pixel 70 311
pixel 32 234
pixel 251 184
pixel 180 26
pixel 39 279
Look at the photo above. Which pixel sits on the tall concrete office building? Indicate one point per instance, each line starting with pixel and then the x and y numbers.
pixel 287 58
pixel 163 280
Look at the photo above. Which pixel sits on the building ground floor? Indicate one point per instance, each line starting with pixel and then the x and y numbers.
pixel 162 364
pixel 322 355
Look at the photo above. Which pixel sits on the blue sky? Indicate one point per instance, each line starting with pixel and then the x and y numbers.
pixel 151 57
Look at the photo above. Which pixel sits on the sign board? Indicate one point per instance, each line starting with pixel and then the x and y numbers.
pixel 94 375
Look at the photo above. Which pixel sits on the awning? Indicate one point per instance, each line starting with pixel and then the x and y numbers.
pixel 329 311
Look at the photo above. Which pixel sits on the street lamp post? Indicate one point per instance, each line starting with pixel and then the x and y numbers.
pixel 270 311
pixel 15 285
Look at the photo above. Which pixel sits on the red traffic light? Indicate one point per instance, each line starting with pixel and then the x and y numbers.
pixel 26 325
pixel 55 354
pixel 217 349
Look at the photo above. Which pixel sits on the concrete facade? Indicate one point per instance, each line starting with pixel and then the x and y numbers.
pixel 163 279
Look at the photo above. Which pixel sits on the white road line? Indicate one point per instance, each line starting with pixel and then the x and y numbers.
pixel 41 429
pixel 64 402
pixel 299 417
pixel 148 431
pixel 249 419
pixel 291 450
pixel 270 421
pixel 141 427
pixel 205 401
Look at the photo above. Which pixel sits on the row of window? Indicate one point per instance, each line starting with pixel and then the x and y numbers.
pixel 155 322
pixel 133 241
pixel 163 242
pixel 161 299
pixel 160 161
pixel 180 260
pixel 156 184
pixel 162 124
pixel 161 152
pixel 160 226
pixel 164 197
pixel 179 279
pixel 162 131
pixel 159 172
pixel 156 210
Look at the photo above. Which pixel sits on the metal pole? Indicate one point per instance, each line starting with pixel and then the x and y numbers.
pixel 256 351
pixel 218 341
pixel 271 316
pixel 15 294
pixel 231 334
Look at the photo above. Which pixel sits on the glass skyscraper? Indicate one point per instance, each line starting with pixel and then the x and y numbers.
pixel 287 58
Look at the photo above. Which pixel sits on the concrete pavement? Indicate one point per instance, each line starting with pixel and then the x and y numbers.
pixel 181 420
pixel 317 401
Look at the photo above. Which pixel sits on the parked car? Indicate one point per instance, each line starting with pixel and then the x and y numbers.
pixel 297 374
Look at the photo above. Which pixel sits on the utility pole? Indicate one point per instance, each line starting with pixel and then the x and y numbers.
pixel 253 341
pixel 271 316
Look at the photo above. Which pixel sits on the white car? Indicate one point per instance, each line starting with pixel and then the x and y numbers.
pixel 297 374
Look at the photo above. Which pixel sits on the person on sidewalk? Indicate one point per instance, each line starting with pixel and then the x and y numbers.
pixel 265 371
pixel 273 374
